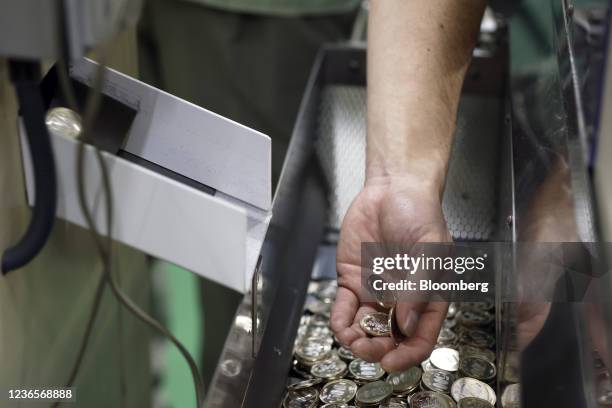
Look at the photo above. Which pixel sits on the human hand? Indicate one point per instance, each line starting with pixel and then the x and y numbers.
pixel 397 210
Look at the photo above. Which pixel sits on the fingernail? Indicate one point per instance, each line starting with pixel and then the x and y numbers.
pixel 410 324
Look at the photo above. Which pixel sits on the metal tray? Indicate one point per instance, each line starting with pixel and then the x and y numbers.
pixel 328 140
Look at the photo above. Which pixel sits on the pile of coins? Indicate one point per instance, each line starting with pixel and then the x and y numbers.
pixel 460 372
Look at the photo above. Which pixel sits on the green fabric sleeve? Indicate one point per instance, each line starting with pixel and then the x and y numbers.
pixel 287 8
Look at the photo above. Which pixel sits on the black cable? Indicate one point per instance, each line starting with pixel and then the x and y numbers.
pixel 25 76
pixel 105 248
pixel 61 71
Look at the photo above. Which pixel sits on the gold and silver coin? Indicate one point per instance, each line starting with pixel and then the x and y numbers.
pixel 445 358
pixel 376 324
pixel 326 290
pixel 426 365
pixel 346 354
pixel 438 380
pixel 405 381
pixel 486 304
pixel 465 350
pixel 394 402
pixel 313 349
pixel 477 338
pixel 474 317
pixel 449 323
pixel 317 306
pixel 338 392
pixel 302 398
pixel 471 387
pixel 512 367
pixel 313 330
pixel 473 402
pixel 363 371
pixel 300 369
pixel 477 367
pixel 449 400
pixel 64 121
pixel 511 397
pixel 305 384
pixel 452 310
pixel 315 320
pixel 373 393
pixel 430 399
pixel 446 336
pixel 330 369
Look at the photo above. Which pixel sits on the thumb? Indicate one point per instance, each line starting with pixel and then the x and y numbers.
pixel 407 316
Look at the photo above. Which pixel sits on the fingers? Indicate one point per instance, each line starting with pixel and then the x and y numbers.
pixel 343 316
pixel 417 348
pixel 407 316
pixel 368 349
pixel 408 354
pixel 372 349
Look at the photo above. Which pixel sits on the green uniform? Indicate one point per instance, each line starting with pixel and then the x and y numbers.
pixel 287 8
pixel 248 60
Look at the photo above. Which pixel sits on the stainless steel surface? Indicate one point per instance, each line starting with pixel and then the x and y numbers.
pixel 341 145
pixel 470 196
pixel 288 255
pixel 189 140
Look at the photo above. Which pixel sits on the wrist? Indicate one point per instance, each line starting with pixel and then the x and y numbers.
pixel 407 184
pixel 427 176
pixel 418 153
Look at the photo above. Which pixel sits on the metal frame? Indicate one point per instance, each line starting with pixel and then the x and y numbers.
pixel 297 228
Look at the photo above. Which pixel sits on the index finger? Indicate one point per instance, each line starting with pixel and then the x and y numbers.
pixel 417 348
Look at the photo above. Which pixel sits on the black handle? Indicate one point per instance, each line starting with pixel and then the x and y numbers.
pixel 26 77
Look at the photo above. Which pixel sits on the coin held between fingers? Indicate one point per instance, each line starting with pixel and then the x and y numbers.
pixel 375 324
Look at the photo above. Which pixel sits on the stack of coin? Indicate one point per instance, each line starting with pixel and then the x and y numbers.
pixel 511 397
pixel 373 394
pixel 467 387
pixel 306 397
pixel 363 372
pixel 458 373
pixel 312 349
pixel 394 402
pixel 338 392
pixel 431 399
pixel 437 380
pixel 406 382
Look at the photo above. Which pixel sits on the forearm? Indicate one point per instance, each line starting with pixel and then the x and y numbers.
pixel 418 53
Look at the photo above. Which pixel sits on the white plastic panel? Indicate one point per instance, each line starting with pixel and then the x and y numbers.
pixel 209 235
pixel 190 140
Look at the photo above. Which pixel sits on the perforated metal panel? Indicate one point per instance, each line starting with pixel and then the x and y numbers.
pixel 469 199
pixel 341 145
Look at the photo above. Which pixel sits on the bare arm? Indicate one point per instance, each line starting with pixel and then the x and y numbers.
pixel 418 53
